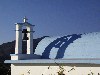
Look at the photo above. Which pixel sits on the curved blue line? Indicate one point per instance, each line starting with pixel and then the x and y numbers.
pixel 58 44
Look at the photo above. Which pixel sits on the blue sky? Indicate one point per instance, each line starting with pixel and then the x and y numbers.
pixel 51 17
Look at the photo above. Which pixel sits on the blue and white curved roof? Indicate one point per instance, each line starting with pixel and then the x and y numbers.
pixel 70 46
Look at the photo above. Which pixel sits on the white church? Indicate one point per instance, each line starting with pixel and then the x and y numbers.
pixel 77 54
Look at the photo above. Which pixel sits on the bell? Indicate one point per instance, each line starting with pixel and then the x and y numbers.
pixel 25 34
pixel 25 37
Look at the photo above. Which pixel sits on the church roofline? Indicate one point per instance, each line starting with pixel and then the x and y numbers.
pixel 25 24
pixel 54 61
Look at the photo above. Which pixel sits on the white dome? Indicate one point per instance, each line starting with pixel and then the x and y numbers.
pixel 70 46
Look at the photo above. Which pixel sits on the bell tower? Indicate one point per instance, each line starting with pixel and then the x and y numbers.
pixel 23 35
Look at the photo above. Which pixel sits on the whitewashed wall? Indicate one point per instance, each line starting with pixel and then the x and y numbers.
pixel 30 69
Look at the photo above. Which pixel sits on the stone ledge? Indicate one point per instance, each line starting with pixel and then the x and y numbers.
pixel 24 56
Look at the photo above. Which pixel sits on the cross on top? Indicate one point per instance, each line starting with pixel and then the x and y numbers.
pixel 25 19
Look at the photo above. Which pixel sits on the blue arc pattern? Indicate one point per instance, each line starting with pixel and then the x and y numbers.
pixel 61 43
